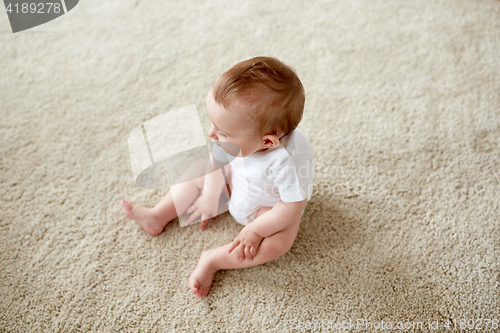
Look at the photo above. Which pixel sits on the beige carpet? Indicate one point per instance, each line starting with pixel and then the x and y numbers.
pixel 403 115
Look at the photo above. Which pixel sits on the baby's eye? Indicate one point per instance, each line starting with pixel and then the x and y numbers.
pixel 221 134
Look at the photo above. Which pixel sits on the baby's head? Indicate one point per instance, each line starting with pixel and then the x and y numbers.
pixel 255 103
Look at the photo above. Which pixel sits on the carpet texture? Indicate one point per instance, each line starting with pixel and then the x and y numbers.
pixel 403 116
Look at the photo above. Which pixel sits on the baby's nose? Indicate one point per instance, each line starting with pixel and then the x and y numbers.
pixel 211 133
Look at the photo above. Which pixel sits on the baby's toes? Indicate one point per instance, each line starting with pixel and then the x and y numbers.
pixel 194 285
pixel 126 203
pixel 127 207
pixel 203 292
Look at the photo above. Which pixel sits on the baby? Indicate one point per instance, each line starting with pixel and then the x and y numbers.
pixel 256 105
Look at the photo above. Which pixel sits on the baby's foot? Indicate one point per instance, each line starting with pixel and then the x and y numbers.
pixel 201 279
pixel 144 216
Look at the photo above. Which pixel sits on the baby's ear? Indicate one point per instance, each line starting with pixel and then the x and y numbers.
pixel 270 140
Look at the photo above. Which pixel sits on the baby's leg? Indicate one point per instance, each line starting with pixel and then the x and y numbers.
pixel 154 220
pixel 217 259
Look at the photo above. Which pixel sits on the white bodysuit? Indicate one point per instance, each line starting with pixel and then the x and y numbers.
pixel 285 172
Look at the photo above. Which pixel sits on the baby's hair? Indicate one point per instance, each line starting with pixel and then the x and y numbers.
pixel 272 90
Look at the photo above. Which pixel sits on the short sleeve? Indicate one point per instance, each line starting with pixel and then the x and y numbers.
pixel 294 178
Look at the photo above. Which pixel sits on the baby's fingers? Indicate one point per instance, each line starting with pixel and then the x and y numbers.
pixel 247 253
pixel 204 221
pixel 253 251
pixel 193 217
pixel 191 209
pixel 233 245
pixel 241 252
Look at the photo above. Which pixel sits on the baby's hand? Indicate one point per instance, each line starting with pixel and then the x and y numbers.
pixel 248 242
pixel 204 206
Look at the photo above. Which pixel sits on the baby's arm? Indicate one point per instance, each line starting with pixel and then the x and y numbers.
pixel 213 184
pixel 278 218
pixel 208 203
